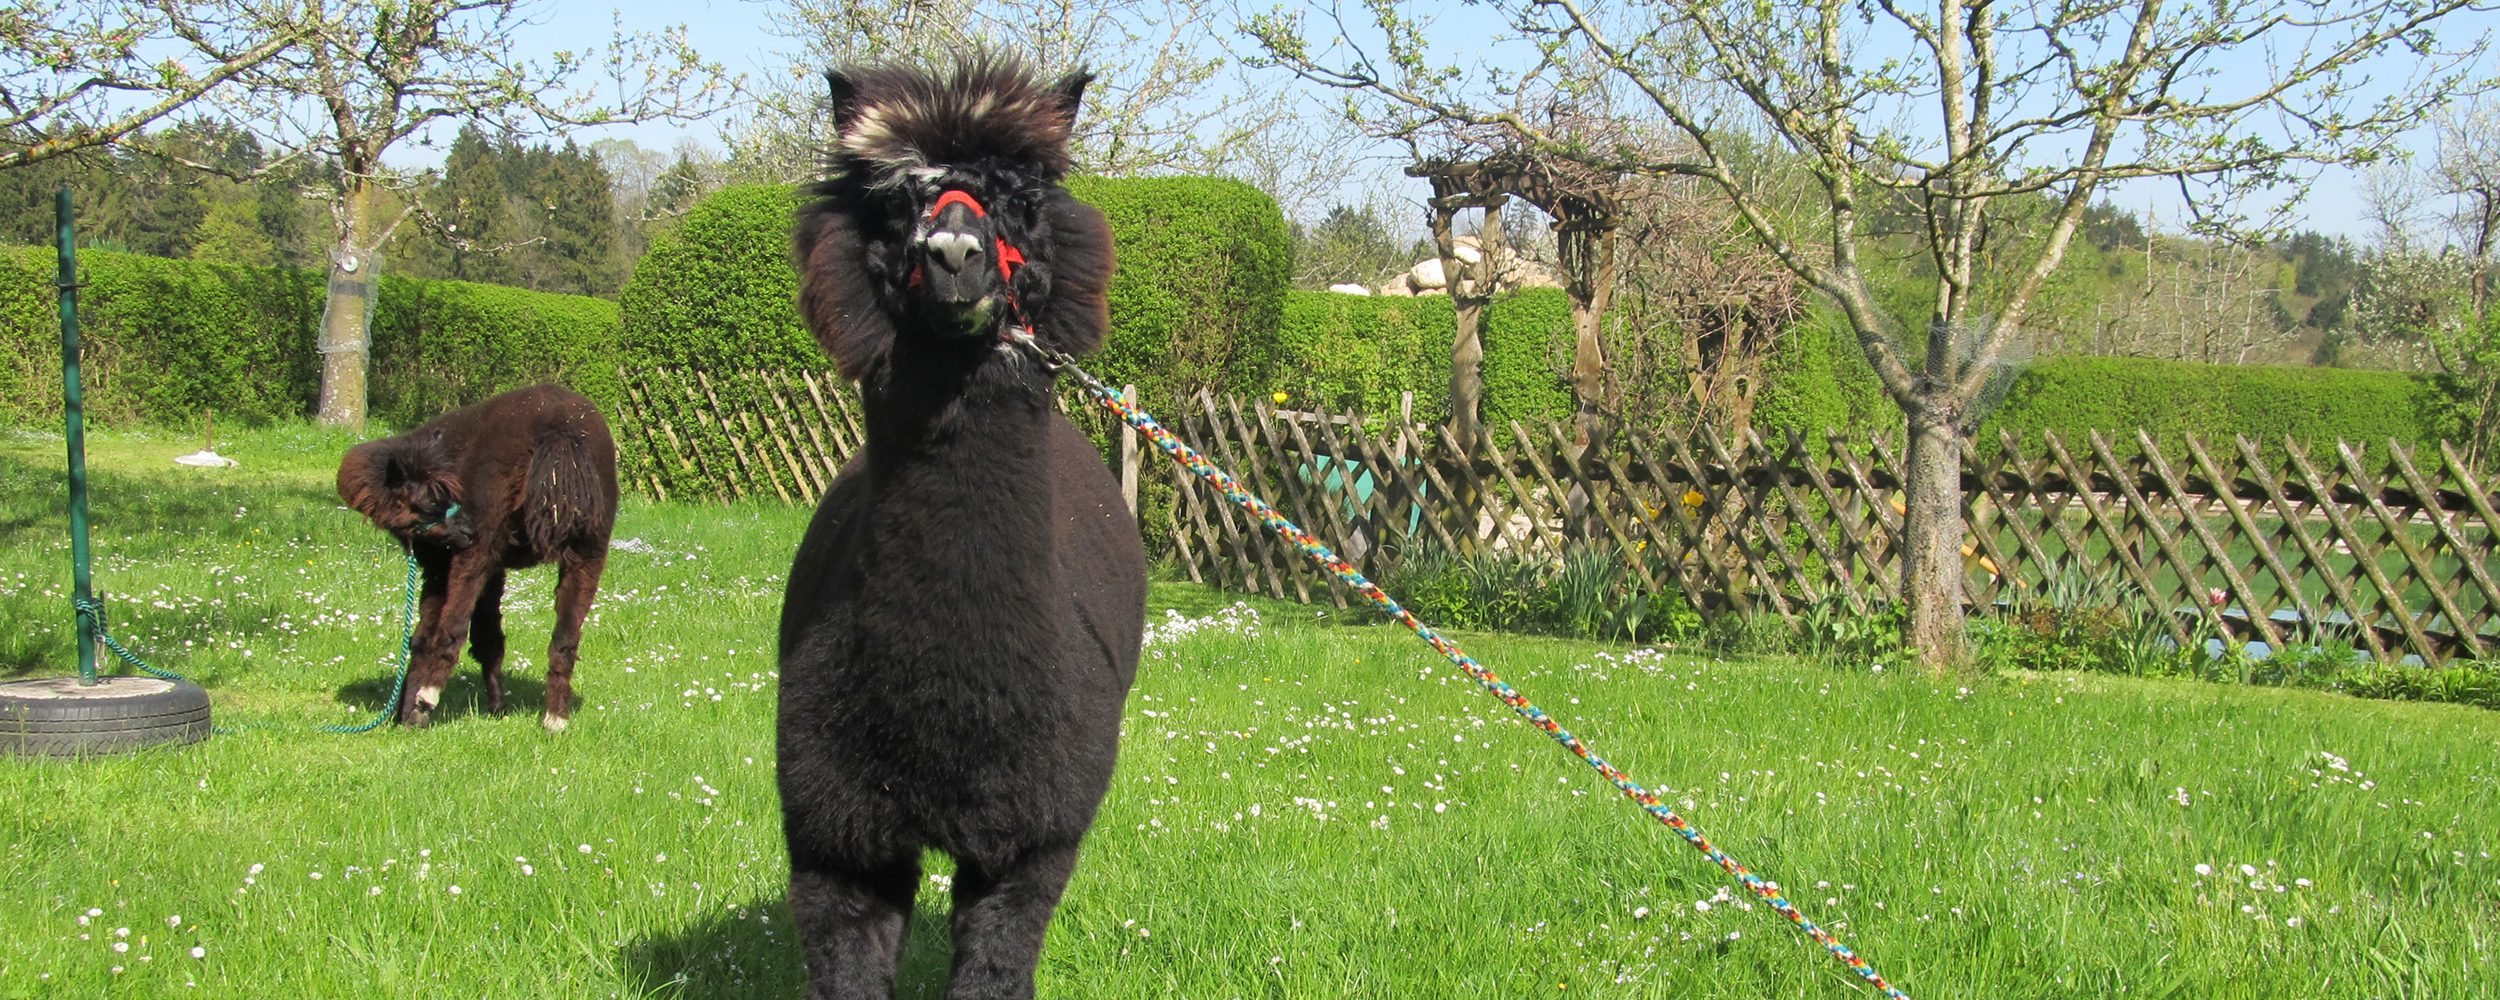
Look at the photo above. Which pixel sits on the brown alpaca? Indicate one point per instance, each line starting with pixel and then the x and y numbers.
pixel 524 478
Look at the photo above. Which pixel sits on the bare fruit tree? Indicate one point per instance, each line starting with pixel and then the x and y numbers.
pixel 1948 111
pixel 1158 104
pixel 2468 170
pixel 373 73
pixel 79 74
pixel 2208 301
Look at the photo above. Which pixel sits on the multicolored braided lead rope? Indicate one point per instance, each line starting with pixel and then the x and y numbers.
pixel 1345 573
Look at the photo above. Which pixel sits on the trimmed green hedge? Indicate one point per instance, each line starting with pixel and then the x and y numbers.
pixel 1339 351
pixel 1204 264
pixel 720 291
pixel 165 339
pixel 1336 352
pixel 1817 379
pixel 2317 406
pixel 440 345
pixel 1528 346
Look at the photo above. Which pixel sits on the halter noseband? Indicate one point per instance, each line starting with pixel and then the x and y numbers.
pixel 1008 255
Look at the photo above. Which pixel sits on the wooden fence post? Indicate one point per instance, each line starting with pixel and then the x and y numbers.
pixel 1128 455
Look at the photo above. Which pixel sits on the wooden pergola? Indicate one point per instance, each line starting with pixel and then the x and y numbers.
pixel 1587 206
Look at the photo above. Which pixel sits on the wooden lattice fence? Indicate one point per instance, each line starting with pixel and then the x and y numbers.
pixel 2286 548
pixel 725 436
pixel 2229 541
pixel 733 435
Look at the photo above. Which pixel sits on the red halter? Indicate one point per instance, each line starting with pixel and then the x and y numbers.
pixel 1008 255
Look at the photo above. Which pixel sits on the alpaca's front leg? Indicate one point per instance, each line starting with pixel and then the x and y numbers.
pixel 486 640
pixel 442 629
pixel 851 926
pixel 1001 912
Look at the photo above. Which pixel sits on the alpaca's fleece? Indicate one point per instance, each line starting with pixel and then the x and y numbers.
pixel 524 478
pixel 963 618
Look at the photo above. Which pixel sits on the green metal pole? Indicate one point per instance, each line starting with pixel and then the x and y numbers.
pixel 74 423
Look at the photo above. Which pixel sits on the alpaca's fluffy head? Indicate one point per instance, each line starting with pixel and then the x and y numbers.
pixel 939 182
pixel 989 112
pixel 405 486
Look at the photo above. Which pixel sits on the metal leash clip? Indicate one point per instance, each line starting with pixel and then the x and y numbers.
pixel 1022 336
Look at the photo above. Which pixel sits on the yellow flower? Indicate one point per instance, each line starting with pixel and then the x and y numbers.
pixel 1693 498
pixel 1283 396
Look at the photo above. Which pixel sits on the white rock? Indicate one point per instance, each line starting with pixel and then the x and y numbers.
pixel 1349 288
pixel 1427 273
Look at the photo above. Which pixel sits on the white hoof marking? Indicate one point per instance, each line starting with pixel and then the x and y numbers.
pixel 553 724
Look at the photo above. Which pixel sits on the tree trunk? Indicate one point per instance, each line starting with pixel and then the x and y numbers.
pixel 1588 254
pixel 347 317
pixel 1931 542
pixel 1467 348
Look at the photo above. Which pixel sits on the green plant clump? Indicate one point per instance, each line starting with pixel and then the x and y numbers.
pixel 1590 593
pixel 2462 684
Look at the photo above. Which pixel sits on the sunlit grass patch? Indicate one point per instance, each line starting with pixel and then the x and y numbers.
pixel 1306 806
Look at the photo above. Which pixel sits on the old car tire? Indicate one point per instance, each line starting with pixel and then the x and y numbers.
pixel 59 717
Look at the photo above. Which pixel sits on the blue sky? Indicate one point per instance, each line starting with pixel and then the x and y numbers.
pixel 737 34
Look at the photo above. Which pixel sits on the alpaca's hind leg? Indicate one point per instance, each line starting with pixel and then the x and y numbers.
pixel 851 926
pixel 486 641
pixel 1000 913
pixel 577 583
pixel 450 596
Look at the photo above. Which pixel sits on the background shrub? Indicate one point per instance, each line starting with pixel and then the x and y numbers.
pixel 441 345
pixel 1527 358
pixel 1204 264
pixel 1816 379
pixel 163 339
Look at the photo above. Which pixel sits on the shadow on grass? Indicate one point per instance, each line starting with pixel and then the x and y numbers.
pixel 751 950
pixel 463 696
pixel 25 655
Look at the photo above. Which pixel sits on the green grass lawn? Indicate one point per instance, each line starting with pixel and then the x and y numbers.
pixel 1307 806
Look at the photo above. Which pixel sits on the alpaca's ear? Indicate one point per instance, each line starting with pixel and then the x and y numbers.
pixel 1070 90
pixel 842 97
pixel 837 296
pixel 360 480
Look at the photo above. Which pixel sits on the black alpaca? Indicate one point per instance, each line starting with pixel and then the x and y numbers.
pixel 963 618
pixel 523 478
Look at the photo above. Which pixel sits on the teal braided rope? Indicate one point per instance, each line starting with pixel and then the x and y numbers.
pixel 92 610
pixel 1345 573
pixel 407 645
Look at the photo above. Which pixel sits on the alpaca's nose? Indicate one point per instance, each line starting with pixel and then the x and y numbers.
pixel 956 238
